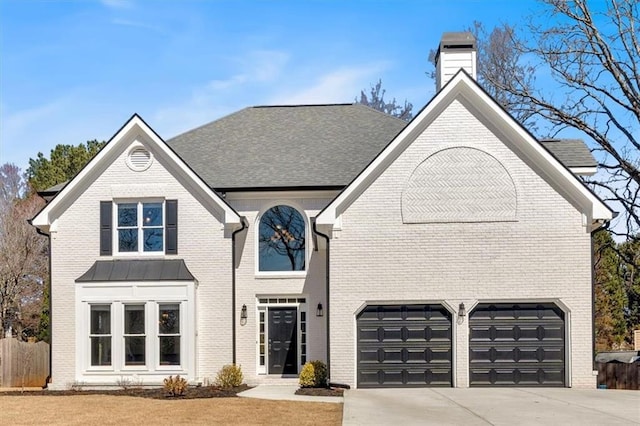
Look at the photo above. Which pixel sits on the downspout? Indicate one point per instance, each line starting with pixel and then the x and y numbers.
pixel 328 305
pixel 46 381
pixel 233 286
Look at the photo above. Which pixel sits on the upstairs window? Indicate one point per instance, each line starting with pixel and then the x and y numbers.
pixel 140 227
pixel 282 240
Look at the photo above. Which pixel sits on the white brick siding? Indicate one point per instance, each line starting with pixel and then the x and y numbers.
pixel 201 243
pixel 543 255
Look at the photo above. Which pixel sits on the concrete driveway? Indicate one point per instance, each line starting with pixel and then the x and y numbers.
pixel 485 406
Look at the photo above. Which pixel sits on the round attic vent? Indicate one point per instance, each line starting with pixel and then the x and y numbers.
pixel 139 159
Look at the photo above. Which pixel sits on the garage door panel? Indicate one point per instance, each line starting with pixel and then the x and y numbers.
pixel 524 376
pixel 404 345
pixel 516 345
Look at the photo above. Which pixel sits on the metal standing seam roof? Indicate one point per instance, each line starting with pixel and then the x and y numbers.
pixel 286 146
pixel 137 270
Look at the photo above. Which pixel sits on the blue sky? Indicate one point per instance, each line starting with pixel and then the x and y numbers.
pixel 71 71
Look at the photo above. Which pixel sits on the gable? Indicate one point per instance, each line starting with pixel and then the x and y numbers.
pixel 134 137
pixel 466 92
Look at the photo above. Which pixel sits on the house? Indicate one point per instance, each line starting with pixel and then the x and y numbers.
pixel 454 250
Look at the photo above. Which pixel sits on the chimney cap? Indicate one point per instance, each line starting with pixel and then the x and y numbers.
pixel 458 41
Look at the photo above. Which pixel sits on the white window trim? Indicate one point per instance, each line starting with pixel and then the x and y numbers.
pixel 119 294
pixel 146 338
pixel 308 242
pixel 264 307
pixel 116 238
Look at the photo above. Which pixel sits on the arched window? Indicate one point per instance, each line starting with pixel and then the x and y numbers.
pixel 281 240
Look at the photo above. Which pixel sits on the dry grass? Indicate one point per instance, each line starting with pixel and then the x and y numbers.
pixel 107 409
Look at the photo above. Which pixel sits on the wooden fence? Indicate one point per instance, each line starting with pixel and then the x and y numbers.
pixel 618 375
pixel 23 364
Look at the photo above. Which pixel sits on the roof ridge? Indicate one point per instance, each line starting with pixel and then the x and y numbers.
pixel 301 105
pixel 358 104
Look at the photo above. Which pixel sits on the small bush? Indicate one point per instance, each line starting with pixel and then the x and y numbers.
pixel 307 376
pixel 313 375
pixel 230 376
pixel 320 370
pixel 175 387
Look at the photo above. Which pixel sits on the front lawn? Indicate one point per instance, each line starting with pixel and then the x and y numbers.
pixel 110 409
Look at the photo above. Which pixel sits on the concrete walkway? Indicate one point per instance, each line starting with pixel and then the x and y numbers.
pixel 485 406
pixel 285 392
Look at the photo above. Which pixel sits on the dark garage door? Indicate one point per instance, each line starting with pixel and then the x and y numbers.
pixel 404 346
pixel 517 345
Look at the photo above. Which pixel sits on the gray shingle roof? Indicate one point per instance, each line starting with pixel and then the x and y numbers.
pixel 570 152
pixel 303 146
pixel 138 270
pixel 287 146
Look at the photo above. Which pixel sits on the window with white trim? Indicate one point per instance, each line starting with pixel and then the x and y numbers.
pixel 169 334
pixel 140 227
pixel 100 335
pixel 134 335
pixel 123 339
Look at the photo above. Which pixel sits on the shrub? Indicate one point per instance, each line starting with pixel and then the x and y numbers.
pixel 313 375
pixel 320 370
pixel 230 376
pixel 307 376
pixel 175 387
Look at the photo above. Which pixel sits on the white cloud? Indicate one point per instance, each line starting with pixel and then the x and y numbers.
pixel 340 85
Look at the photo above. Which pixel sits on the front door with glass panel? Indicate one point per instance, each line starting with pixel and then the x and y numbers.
pixel 283 342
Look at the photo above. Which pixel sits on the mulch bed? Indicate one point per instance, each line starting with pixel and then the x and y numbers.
pixel 193 392
pixel 320 391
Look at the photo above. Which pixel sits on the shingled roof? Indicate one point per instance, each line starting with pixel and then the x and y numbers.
pixel 570 152
pixel 300 146
pixel 287 146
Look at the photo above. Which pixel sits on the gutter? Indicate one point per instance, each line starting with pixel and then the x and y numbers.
pixel 46 381
pixel 233 286
pixel 328 305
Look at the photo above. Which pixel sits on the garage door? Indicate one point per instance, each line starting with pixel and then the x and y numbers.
pixel 517 345
pixel 404 346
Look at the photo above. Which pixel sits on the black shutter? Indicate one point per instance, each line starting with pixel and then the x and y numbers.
pixel 171 232
pixel 106 235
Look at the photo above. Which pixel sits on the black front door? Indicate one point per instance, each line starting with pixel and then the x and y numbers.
pixel 283 345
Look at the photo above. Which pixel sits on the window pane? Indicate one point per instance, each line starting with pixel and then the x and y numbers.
pixel 100 319
pixel 101 351
pixel 152 214
pixel 282 240
pixel 169 321
pixel 153 239
pixel 134 350
pixel 128 214
pixel 127 240
pixel 134 319
pixel 169 350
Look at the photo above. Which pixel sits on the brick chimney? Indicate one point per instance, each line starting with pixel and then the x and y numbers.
pixel 456 50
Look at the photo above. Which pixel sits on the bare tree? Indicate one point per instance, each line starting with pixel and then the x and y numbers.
pixel 375 100
pixel 593 59
pixel 23 260
pixel 282 234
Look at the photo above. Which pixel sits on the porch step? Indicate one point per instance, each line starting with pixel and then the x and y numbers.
pixel 274 381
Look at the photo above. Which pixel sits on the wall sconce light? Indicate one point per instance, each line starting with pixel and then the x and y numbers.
pixel 319 310
pixel 462 311
pixel 243 313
